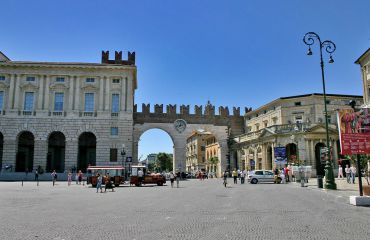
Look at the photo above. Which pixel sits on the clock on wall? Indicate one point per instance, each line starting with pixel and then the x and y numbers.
pixel 180 125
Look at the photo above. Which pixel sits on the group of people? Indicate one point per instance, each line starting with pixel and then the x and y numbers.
pixel 175 177
pixel 350 173
pixel 107 181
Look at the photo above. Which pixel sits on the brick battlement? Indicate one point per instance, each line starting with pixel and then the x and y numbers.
pixel 208 116
pixel 118 58
pixel 209 110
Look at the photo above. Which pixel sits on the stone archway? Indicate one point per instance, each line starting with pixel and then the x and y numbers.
pixel 56 152
pixel 179 140
pixel 320 167
pixel 269 158
pixel 24 156
pixel 86 151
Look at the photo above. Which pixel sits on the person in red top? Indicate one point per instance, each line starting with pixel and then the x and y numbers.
pixel 286 173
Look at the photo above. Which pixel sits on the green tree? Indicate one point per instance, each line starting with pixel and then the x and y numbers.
pixel 164 162
pixel 213 161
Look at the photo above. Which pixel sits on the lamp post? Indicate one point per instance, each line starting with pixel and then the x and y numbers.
pixel 123 153
pixel 309 39
pixel 352 103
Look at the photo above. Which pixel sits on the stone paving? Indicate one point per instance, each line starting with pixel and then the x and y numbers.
pixel 196 210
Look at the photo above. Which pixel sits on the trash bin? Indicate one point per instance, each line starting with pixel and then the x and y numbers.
pixel 319 181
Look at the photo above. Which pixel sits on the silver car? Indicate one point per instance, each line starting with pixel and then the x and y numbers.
pixel 263 176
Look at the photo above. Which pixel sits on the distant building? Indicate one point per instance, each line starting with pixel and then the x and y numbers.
pixel 296 123
pixel 195 151
pixel 151 158
pixel 212 155
pixel 364 62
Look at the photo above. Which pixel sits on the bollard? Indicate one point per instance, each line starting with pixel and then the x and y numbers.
pixel 319 181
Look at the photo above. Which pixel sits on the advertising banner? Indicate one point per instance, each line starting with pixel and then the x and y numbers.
pixel 354 131
pixel 280 155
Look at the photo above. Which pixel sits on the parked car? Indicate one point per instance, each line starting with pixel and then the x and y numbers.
pixel 263 176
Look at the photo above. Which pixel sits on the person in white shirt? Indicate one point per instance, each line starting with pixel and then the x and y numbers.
pixel 140 175
pixel 340 172
pixel 347 170
pixel 353 173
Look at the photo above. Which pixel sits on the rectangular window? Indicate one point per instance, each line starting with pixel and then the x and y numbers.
pixel 28 101
pixel 115 80
pixel 89 102
pixel 2 78
pixel 115 103
pixel 298 119
pixel 90 80
pixel 59 79
pixel 1 100
pixel 113 154
pixel 58 102
pixel 114 131
pixel 297 104
pixel 30 79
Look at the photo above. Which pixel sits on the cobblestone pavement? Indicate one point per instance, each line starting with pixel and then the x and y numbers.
pixel 196 210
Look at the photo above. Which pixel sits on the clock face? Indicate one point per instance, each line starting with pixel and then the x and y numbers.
pixel 180 125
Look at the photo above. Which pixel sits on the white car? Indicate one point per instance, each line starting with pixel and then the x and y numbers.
pixel 263 176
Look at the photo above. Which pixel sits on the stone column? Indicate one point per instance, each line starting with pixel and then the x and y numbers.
pixel 335 153
pixel 71 152
pixel 107 94
pixel 273 155
pixel 47 93
pixel 11 92
pixel 70 93
pixel 129 95
pixel 9 152
pixel 312 150
pixel 255 158
pixel 40 153
pixel 101 93
pixel 77 96
pixel 123 103
pixel 17 89
pixel 40 93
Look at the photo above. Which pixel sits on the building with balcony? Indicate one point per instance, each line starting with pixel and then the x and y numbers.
pixel 212 153
pixel 195 151
pixel 65 115
pixel 296 123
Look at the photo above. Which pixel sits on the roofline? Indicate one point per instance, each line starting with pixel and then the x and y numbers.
pixel 65 64
pixel 301 96
pixel 2 54
pixel 321 94
pixel 363 55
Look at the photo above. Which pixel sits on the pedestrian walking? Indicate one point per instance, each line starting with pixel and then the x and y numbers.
pixel 340 172
pixel 108 183
pixel 36 175
pixel 54 177
pixel 80 177
pixel 99 183
pixel 76 177
pixel 347 170
pixel 69 178
pixel 140 175
pixel 242 177
pixel 235 176
pixel 353 173
pixel 225 178
pixel 172 178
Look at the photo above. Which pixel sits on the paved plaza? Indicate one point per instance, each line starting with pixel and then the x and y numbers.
pixel 196 210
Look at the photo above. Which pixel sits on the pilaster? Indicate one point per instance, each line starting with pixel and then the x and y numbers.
pixel 101 93
pixel 47 93
pixel 11 92
pixel 17 89
pixel 107 94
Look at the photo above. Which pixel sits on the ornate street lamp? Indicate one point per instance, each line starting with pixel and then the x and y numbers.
pixel 309 39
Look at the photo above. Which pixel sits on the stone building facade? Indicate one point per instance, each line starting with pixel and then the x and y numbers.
pixel 296 123
pixel 364 62
pixel 195 151
pixel 60 115
pixel 212 155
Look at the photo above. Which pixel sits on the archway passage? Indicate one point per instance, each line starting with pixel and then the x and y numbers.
pixel 24 158
pixel 291 152
pixel 320 167
pixel 1 150
pixel 269 158
pixel 86 151
pixel 56 152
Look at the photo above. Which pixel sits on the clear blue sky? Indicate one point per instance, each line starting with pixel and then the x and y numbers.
pixel 233 53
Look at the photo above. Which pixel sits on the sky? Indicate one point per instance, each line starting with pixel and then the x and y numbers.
pixel 232 53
